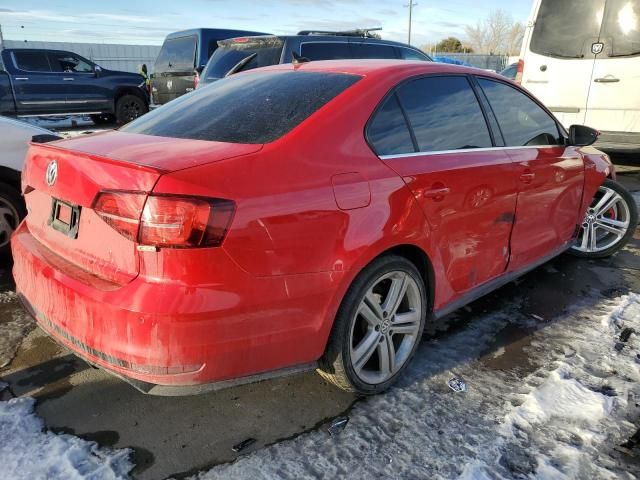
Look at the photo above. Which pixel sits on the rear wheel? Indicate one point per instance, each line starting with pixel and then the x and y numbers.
pixel 12 211
pixel 378 327
pixel 609 223
pixel 129 107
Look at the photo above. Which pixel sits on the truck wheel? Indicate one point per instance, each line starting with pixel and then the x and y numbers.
pixel 103 119
pixel 12 211
pixel 128 108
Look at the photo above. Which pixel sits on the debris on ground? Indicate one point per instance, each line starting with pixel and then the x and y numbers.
pixel 337 426
pixel 625 334
pixel 457 385
pixel 243 445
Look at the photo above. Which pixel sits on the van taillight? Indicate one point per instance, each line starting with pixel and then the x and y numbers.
pixel 520 71
pixel 171 221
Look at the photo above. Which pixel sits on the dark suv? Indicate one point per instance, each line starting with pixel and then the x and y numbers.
pixel 245 53
pixel 181 59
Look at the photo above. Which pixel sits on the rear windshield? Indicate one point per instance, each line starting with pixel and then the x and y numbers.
pixel 252 108
pixel 615 23
pixel 176 54
pixel 230 52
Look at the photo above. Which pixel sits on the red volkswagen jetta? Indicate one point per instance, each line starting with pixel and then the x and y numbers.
pixel 303 216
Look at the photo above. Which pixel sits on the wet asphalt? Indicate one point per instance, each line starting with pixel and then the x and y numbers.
pixel 179 436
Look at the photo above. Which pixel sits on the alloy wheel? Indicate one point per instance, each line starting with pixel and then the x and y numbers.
pixel 606 222
pixel 385 327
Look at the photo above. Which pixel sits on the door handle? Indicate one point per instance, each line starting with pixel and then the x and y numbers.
pixel 22 78
pixel 607 79
pixel 437 193
pixel 68 79
pixel 527 177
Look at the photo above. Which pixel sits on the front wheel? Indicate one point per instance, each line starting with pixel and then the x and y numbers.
pixel 378 327
pixel 130 107
pixel 608 224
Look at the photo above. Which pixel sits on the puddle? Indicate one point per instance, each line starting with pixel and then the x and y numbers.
pixel 508 350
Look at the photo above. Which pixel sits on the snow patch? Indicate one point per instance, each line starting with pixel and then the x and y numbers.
pixel 28 451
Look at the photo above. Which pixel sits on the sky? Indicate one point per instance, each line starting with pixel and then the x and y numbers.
pixel 147 22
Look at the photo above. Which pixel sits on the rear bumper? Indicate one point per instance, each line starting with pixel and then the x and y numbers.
pixel 170 335
pixel 618 142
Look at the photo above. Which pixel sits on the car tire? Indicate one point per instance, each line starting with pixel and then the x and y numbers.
pixel 12 211
pixel 103 119
pixel 361 328
pixel 130 107
pixel 609 222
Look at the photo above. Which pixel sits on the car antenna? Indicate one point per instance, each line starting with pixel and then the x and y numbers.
pixel 298 59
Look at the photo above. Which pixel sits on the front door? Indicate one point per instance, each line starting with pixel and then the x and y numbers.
pixel 465 186
pixel 614 96
pixel 550 176
pixel 37 89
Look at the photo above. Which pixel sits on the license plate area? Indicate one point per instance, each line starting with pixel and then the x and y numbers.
pixel 65 217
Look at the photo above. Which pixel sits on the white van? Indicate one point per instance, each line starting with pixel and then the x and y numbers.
pixel 582 59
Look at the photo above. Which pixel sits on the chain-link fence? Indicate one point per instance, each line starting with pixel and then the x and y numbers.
pixel 486 62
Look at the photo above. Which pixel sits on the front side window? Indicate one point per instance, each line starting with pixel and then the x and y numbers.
pixel 410 54
pixel 388 132
pixel 522 121
pixel 32 61
pixel 176 53
pixel 249 108
pixel 444 114
pixel 325 50
pixel 63 62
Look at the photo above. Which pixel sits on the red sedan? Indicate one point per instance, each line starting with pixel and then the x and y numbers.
pixel 303 216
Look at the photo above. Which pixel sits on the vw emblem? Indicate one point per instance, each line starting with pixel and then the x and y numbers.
pixel 597 48
pixel 52 173
pixel 169 85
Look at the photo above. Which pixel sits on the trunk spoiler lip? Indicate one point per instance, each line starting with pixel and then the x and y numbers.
pixel 63 146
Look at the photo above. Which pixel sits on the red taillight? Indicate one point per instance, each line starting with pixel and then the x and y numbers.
pixel 520 71
pixel 121 211
pixel 166 221
pixel 240 40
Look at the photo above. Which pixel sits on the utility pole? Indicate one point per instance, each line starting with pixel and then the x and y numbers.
pixel 410 5
pixel 1 39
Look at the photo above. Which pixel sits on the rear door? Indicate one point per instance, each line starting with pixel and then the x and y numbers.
pixel 84 92
pixel 38 90
pixel 614 98
pixel 465 186
pixel 550 175
pixel 558 55
pixel 174 71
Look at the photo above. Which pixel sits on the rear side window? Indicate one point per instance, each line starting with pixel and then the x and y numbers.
pixel 32 61
pixel 177 54
pixel 372 50
pixel 444 114
pixel 388 132
pixel 267 52
pixel 251 108
pixel 522 121
pixel 325 50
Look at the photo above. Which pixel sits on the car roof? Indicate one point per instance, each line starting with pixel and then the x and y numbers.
pixel 371 67
pixel 198 31
pixel 311 38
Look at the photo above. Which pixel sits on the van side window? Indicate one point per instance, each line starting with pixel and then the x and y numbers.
pixel 522 121
pixel 177 53
pixel 325 50
pixel 371 50
pixel 444 114
pixel 32 61
pixel 388 132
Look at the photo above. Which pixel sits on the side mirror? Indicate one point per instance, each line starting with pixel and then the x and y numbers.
pixel 581 136
pixel 97 70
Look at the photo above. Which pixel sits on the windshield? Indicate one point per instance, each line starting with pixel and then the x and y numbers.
pixel 569 28
pixel 252 108
pixel 230 52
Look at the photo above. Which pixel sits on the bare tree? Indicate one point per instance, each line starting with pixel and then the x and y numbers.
pixel 497 34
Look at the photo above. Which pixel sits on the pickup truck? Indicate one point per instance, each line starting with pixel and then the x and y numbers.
pixel 36 82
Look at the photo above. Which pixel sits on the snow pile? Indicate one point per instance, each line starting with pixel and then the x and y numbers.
pixel 555 416
pixel 26 451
